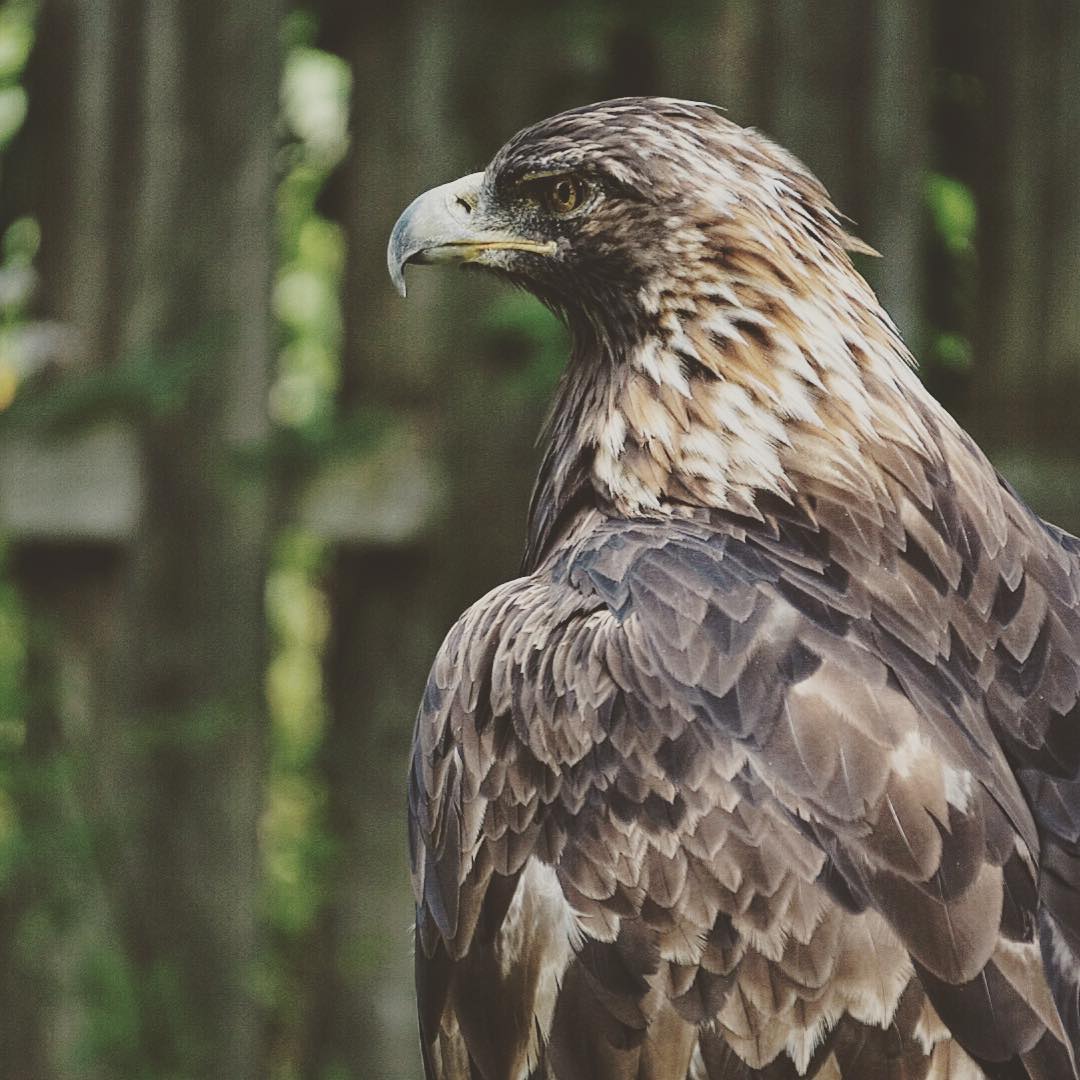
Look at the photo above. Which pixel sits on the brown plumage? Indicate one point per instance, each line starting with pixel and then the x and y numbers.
pixel 769 764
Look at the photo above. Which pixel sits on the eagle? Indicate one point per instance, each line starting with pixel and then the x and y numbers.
pixel 768 763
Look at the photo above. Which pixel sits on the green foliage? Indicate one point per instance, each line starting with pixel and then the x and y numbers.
pixel 19 244
pixel 16 37
pixel 111 990
pixel 12 111
pixel 315 96
pixel 13 638
pixel 954 218
pixel 12 660
pixel 952 207
pixel 151 383
pixel 518 326
pixel 952 351
pixel 295 844
pixel 53 855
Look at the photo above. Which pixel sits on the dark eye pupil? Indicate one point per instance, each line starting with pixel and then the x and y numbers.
pixel 565 195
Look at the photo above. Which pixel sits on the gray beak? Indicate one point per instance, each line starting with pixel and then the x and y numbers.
pixel 444 226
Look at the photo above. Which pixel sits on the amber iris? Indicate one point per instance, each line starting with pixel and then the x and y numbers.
pixel 564 194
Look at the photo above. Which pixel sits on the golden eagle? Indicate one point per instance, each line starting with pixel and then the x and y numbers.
pixel 768 765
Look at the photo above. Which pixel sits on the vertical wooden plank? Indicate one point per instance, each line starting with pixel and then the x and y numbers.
pixel 385 601
pixel 205 170
pixel 1010 343
pixel 896 140
pixel 1062 235
pixel 81 282
pixel 736 69
pixel 817 80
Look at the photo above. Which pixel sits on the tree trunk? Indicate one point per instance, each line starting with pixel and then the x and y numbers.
pixel 156 147
pixel 199 288
pixel 387 612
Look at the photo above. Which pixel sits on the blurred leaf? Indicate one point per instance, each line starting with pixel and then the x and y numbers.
pixel 952 207
pixel 315 102
pixel 320 245
pixel 13 639
pixel 299 27
pixel 960 88
pixel 21 241
pixel 109 987
pixel 9 380
pixel 153 381
pixel 953 351
pixel 12 111
pixel 302 299
pixel 16 37
pixel 9 836
pixel 519 325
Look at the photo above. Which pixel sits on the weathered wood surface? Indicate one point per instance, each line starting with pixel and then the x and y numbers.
pixel 91 487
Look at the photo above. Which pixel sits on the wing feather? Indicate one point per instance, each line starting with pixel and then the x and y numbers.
pixel 705 728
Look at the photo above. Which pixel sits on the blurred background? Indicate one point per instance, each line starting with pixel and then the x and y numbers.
pixel 244 489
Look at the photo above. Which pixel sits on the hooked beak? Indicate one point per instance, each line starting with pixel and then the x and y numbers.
pixel 442 226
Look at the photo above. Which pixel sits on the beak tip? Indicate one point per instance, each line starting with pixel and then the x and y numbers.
pixel 430 220
pixel 395 264
pixel 398 251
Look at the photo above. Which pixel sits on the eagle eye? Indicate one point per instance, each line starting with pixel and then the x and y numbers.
pixel 561 194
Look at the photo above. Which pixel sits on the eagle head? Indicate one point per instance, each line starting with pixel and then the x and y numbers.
pixel 601 210
pixel 722 336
